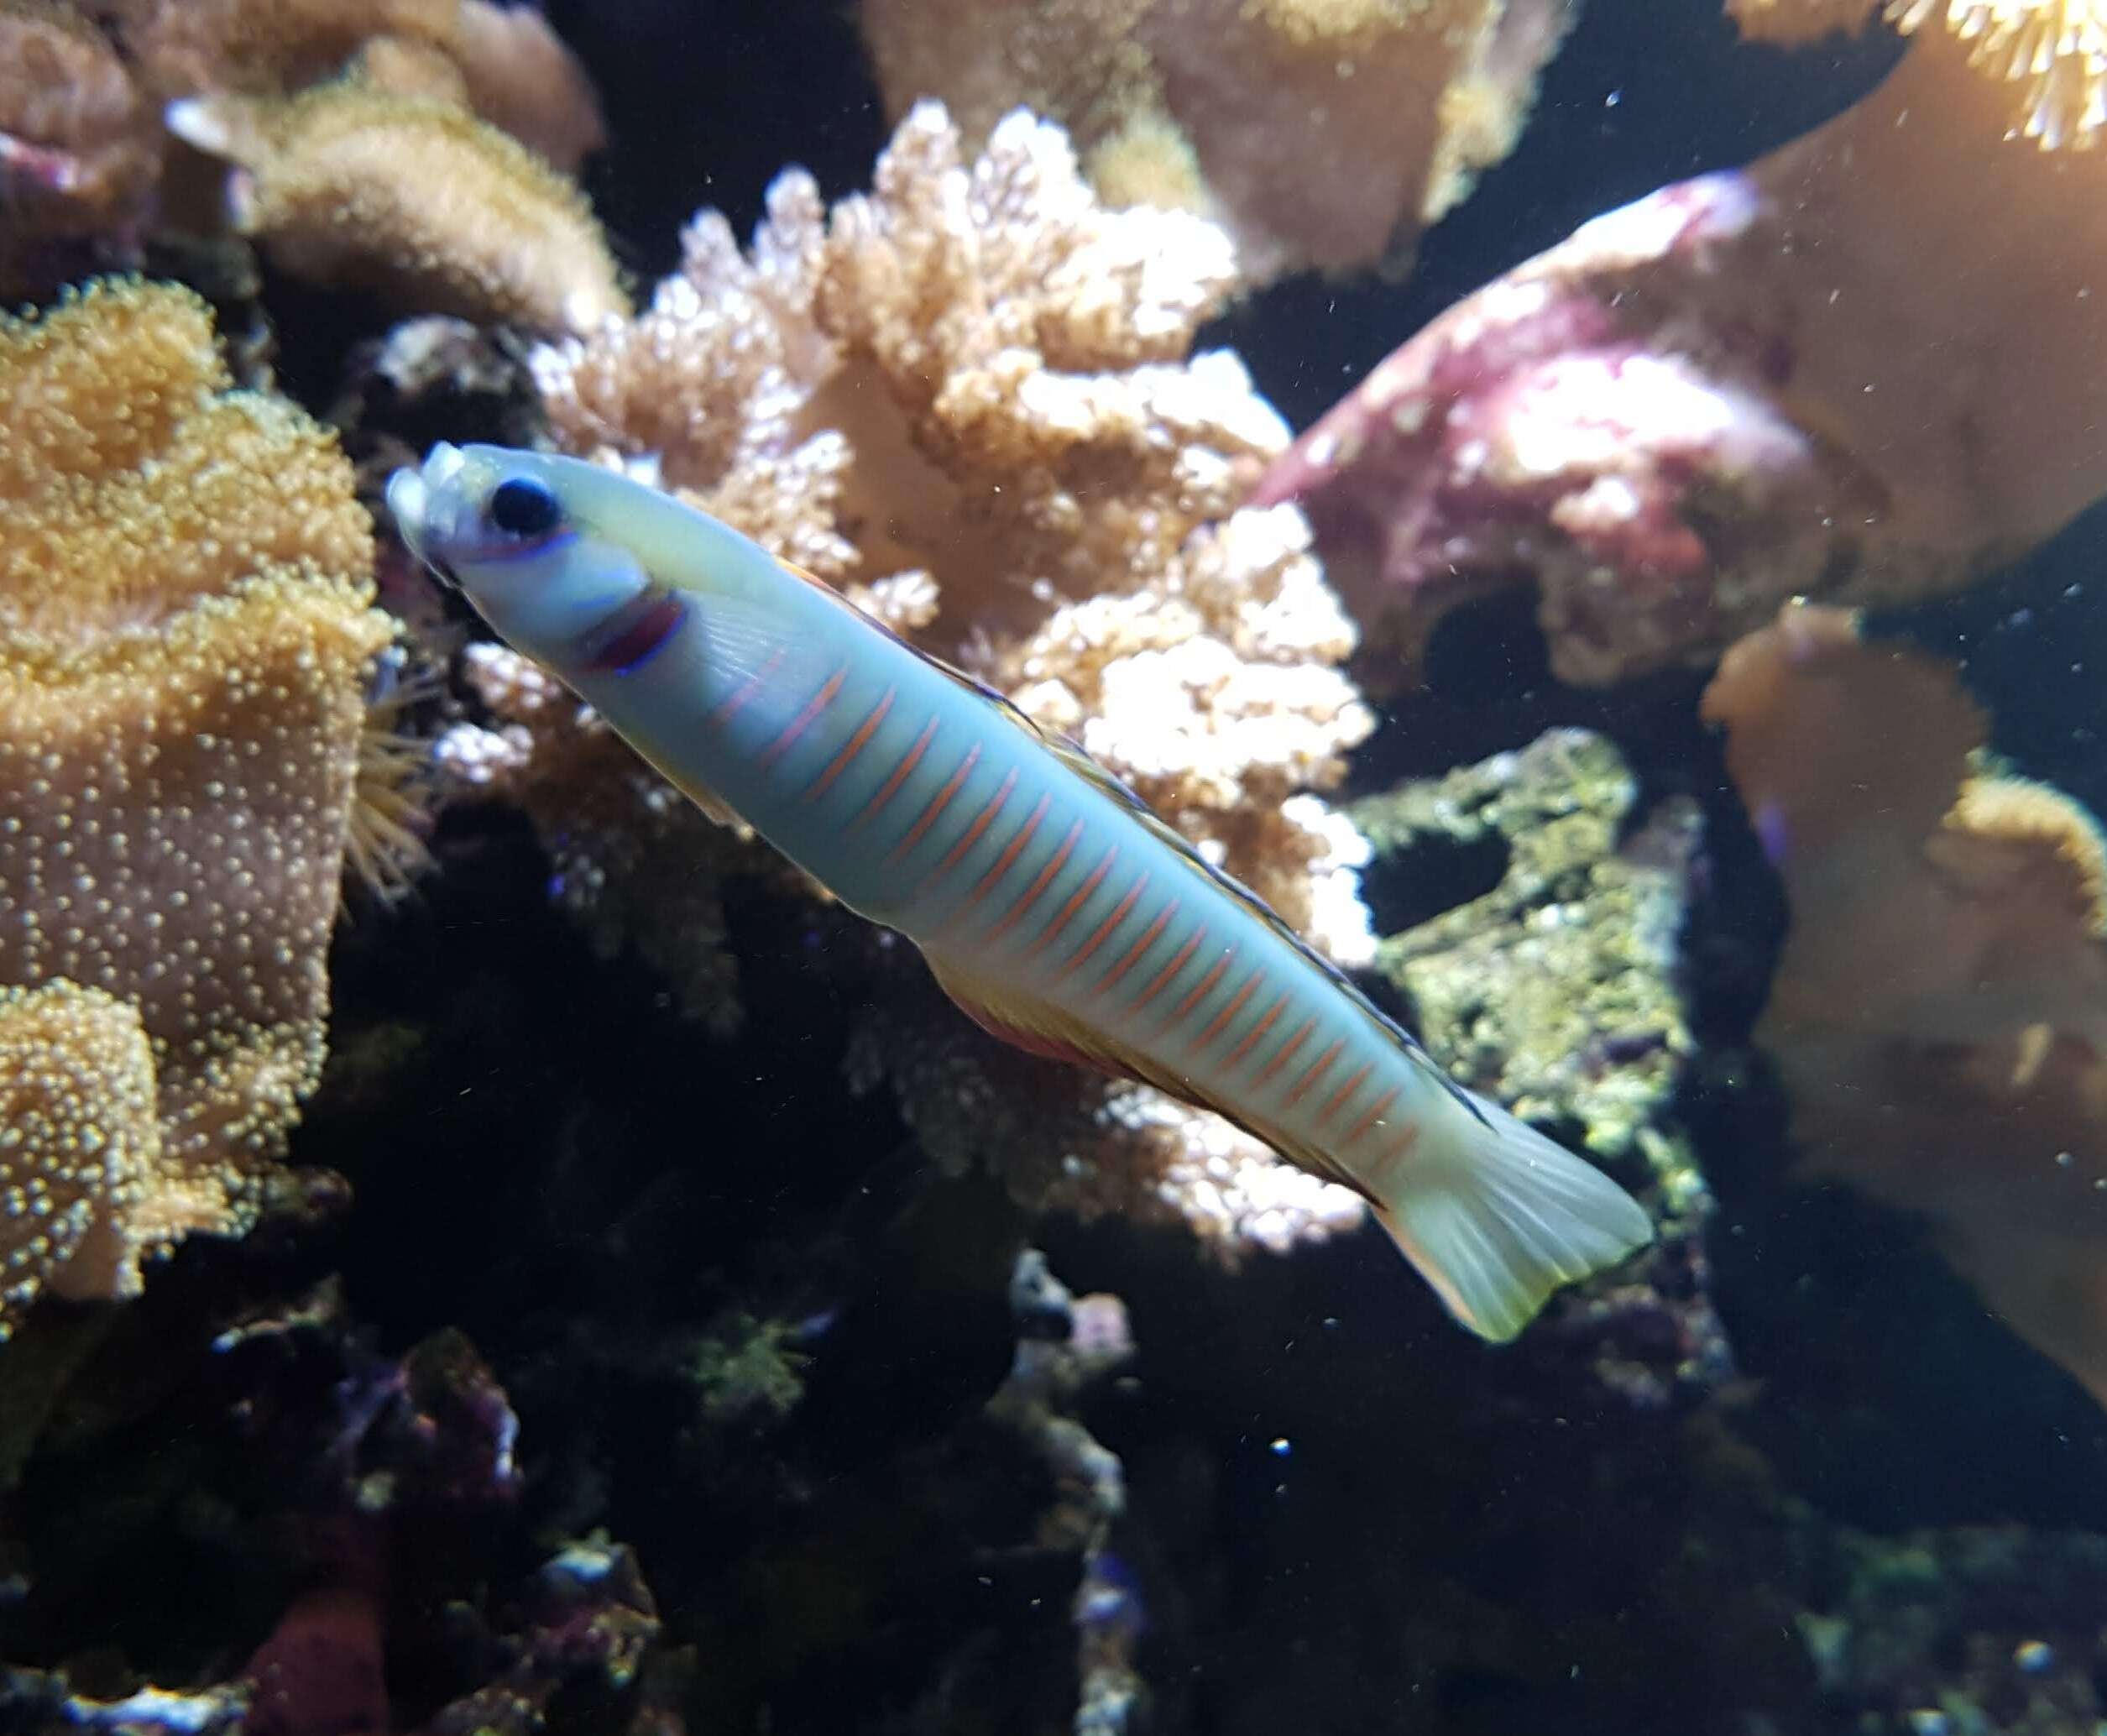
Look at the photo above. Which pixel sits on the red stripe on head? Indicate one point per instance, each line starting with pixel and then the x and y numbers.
pixel 656 617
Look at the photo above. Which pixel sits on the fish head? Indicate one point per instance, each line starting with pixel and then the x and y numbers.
pixel 533 540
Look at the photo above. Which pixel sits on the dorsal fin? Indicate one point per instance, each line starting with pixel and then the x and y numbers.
pixel 1077 758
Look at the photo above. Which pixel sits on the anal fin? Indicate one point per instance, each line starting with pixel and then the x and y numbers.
pixel 1027 1024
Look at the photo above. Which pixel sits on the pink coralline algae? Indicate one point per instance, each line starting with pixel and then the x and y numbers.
pixel 1795 378
pixel 1553 428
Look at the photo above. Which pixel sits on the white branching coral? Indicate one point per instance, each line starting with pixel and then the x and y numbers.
pixel 965 399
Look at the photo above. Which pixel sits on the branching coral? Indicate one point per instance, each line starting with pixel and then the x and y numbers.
pixel 1321 132
pixel 185 642
pixel 1940 1012
pixel 413 198
pixel 962 398
pixel 1801 377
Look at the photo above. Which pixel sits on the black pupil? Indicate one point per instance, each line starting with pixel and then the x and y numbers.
pixel 523 508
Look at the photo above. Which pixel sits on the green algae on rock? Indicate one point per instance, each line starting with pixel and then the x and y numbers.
pixel 1556 991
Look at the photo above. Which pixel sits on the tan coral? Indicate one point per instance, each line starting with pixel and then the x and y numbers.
pixel 267 45
pixel 413 199
pixel 1323 132
pixel 78 150
pixel 503 62
pixel 965 398
pixel 1939 1015
pixel 185 642
pixel 84 90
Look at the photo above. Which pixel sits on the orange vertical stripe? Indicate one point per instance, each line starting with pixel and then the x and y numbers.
pixel 1373 1114
pixel 1318 1069
pixel 1045 877
pixel 1199 989
pixel 1251 1037
pixel 727 709
pixel 900 774
pixel 1011 852
pixel 938 803
pixel 1337 1100
pixel 980 824
pixel 1220 1022
pixel 1076 901
pixel 1135 951
pixel 1280 1056
pixel 1104 929
pixel 803 721
pixel 855 745
pixel 1177 963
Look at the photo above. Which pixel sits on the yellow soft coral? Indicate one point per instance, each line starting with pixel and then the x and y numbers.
pixel 185 642
pixel 78 1142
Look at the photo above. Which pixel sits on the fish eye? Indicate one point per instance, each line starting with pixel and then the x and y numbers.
pixel 521 506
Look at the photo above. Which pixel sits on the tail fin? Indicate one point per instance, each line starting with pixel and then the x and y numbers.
pixel 1496 1217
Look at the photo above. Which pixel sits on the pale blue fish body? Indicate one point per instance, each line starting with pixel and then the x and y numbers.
pixel 1049 902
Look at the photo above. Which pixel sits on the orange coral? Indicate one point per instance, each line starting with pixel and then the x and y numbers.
pixel 1939 1015
pixel 185 641
pixel 1323 132
pixel 972 380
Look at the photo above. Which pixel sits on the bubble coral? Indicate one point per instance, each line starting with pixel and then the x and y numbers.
pixel 1939 1016
pixel 1323 133
pixel 964 398
pixel 185 642
pixel 1860 370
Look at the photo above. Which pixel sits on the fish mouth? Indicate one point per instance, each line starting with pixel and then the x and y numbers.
pixel 413 494
pixel 408 501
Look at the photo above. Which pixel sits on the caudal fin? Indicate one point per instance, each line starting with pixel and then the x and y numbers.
pixel 1496 1217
